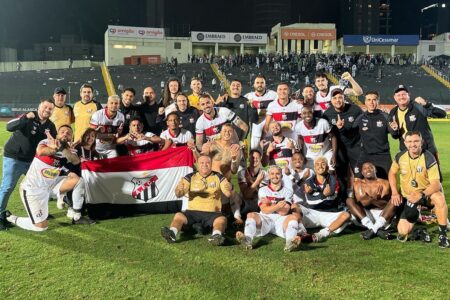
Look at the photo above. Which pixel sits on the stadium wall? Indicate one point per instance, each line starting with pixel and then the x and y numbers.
pixel 43 65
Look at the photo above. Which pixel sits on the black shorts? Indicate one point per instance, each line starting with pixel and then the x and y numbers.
pixel 202 217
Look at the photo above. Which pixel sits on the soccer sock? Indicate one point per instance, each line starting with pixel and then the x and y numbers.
pixel 78 195
pixel 443 230
pixel 324 232
pixel 25 223
pixel 381 221
pixel 367 222
pixel 291 230
pixel 250 228
pixel 174 230
pixel 215 231
pixel 301 229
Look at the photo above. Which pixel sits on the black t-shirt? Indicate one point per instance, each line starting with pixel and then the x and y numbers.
pixel 348 135
pixel 243 110
pixel 129 113
pixel 149 114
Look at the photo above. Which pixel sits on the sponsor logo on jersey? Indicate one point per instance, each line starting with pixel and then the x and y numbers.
pixel 50 173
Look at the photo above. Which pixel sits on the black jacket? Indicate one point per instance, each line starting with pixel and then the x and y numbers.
pixel 243 110
pixel 27 133
pixel 188 118
pixel 416 120
pixel 129 113
pixel 347 135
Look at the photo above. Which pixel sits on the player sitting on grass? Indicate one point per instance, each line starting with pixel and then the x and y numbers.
pixel 278 215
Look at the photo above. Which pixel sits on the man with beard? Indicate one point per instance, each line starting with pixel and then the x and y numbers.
pixel 226 157
pixel 150 110
pixel 109 123
pixel 278 216
pixel 27 131
pixel 209 124
pixel 127 108
pixel 277 148
pixel 43 179
pixel 316 138
pixel 324 94
pixel 239 105
pixel 372 206
pixel 259 99
pixel 196 87
pixel 63 113
pixel 84 109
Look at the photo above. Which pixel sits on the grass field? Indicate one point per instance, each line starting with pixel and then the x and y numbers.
pixel 127 259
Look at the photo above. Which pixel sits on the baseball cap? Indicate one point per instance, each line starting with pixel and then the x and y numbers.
pixel 60 90
pixel 401 88
pixel 337 91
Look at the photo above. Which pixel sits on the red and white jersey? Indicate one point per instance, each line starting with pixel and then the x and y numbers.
pixel 323 101
pixel 177 140
pixel 316 140
pixel 281 155
pixel 210 128
pixel 267 192
pixel 44 171
pixel 287 115
pixel 261 102
pixel 138 147
pixel 100 119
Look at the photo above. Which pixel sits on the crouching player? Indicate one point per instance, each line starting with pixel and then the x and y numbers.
pixel 372 206
pixel 320 207
pixel 43 178
pixel 204 189
pixel 278 215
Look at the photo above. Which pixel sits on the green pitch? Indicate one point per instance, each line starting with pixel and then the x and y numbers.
pixel 127 259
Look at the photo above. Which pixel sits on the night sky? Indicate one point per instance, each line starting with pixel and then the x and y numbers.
pixel 25 22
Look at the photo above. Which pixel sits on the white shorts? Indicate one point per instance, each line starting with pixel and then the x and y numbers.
pixel 313 218
pixel 328 155
pixel 36 201
pixel 271 223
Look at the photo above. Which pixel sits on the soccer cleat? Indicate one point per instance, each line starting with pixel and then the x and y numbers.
pixel 385 235
pixel 83 221
pixel 60 202
pixel 420 235
pixel 443 241
pixel 293 244
pixel 368 234
pixel 245 241
pixel 216 240
pixel 10 217
pixel 70 213
pixel 402 238
pixel 168 234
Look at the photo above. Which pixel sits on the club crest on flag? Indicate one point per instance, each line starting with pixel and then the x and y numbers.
pixel 145 188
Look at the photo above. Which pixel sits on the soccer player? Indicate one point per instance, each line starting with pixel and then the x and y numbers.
pixel 278 214
pixel 323 96
pixel 259 99
pixel 109 122
pixel 419 186
pixel 298 173
pixel 127 108
pixel 28 130
pixel 372 206
pixel 43 178
pixel 204 189
pixel 320 207
pixel 63 113
pixel 284 111
pixel 210 122
pixel 278 149
pixel 84 109
pixel 175 136
pixel 137 142
pixel 316 138
pixel 374 127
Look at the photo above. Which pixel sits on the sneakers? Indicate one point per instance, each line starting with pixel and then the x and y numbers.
pixel 293 244
pixel 385 235
pixel 60 202
pixel 420 235
pixel 443 241
pixel 168 234
pixel 318 237
pixel 83 221
pixel 368 234
pixel 3 225
pixel 216 239
pixel 245 241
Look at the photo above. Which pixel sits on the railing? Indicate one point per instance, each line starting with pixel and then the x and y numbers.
pixel 222 77
pixel 438 75
pixel 107 79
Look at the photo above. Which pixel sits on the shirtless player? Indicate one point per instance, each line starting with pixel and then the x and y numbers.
pixel 226 157
pixel 372 205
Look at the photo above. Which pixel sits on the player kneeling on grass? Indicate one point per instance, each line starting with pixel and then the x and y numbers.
pixel 43 178
pixel 419 186
pixel 203 189
pixel 372 206
pixel 320 207
pixel 278 215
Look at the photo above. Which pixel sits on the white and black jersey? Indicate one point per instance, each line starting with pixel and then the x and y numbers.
pixel 287 115
pixel 316 141
pixel 322 102
pixel 275 196
pixel 178 140
pixel 101 119
pixel 261 102
pixel 210 127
